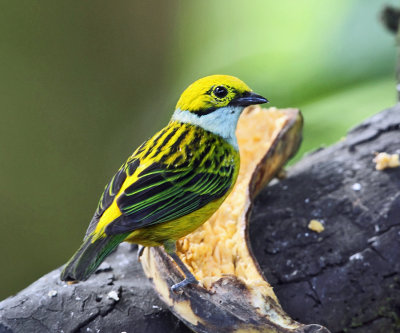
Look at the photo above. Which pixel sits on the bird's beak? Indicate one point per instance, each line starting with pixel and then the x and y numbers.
pixel 248 98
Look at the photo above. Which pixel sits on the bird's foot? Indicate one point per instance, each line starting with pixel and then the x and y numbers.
pixel 189 280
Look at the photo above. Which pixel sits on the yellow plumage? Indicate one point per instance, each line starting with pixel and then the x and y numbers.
pixel 220 153
pixel 174 181
pixel 195 97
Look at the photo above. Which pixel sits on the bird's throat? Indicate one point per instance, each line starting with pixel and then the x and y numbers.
pixel 222 121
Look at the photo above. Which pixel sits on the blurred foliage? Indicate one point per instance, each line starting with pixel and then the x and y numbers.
pixel 83 84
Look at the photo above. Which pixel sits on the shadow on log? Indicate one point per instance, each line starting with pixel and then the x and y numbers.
pixel 346 278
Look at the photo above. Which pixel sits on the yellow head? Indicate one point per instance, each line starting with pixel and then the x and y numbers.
pixel 215 91
pixel 215 103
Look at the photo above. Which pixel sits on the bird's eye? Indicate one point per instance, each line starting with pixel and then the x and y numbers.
pixel 220 91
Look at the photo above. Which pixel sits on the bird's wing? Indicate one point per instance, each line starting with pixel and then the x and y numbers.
pixel 111 190
pixel 162 194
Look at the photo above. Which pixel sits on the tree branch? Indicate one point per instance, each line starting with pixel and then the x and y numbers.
pixel 346 277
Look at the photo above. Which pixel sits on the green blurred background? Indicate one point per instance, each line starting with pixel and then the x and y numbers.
pixel 83 83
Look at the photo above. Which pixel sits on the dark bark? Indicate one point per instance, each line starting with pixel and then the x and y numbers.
pixel 50 305
pixel 345 278
pixel 348 276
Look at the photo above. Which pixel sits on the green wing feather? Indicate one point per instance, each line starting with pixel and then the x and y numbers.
pixel 163 194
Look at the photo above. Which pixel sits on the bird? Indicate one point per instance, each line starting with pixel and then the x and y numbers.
pixel 174 181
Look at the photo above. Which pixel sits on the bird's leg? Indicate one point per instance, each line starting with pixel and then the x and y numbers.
pixel 140 251
pixel 189 277
pixel 170 248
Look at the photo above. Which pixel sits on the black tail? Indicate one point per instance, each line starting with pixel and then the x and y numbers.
pixel 89 256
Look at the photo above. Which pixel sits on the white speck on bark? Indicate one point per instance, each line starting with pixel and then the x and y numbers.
pixel 52 293
pixel 113 295
pixel 356 256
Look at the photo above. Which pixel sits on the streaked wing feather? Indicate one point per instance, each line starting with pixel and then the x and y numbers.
pixel 111 190
pixel 163 194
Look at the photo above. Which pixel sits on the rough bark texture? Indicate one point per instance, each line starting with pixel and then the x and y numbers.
pixel 346 278
pixel 118 298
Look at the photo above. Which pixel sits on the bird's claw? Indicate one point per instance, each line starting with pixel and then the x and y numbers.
pixel 178 286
